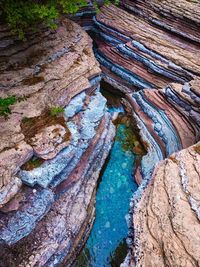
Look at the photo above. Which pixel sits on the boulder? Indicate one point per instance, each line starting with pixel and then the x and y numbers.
pixel 50 141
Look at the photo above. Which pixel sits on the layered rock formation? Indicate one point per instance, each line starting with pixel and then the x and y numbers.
pixel 49 162
pixel 166 219
pixel 136 54
pixel 179 17
pixel 168 120
pixel 151 45
pixel 53 145
pixel 166 203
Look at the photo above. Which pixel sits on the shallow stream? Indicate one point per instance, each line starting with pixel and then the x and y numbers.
pixel 106 245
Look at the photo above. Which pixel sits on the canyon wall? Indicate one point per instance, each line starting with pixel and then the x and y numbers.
pixel 164 213
pixel 166 219
pixel 54 141
pixel 149 50
pixel 50 161
pixel 136 54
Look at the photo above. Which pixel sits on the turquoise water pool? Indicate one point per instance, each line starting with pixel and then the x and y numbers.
pixel 106 245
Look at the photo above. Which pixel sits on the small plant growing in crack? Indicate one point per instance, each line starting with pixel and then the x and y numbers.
pixel 5 104
pixel 33 163
pixel 55 111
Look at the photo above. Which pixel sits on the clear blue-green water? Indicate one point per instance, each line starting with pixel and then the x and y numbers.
pixel 106 244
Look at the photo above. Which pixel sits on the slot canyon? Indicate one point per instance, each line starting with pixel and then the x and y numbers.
pixel 100 144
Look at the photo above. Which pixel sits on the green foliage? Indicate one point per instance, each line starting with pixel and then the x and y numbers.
pixel 23 15
pixel 5 104
pixel 116 2
pixel 71 6
pixel 55 111
pixel 26 15
pixel 32 164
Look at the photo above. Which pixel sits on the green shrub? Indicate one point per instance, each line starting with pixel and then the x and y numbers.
pixel 55 111
pixel 33 163
pixel 5 104
pixel 25 15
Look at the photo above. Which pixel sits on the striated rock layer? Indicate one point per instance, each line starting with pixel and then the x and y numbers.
pixel 168 120
pixel 53 145
pixel 135 53
pixel 163 14
pixel 152 47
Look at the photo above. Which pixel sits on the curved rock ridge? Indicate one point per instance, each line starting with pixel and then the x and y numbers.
pixel 166 220
pixel 168 120
pixel 53 145
pixel 136 54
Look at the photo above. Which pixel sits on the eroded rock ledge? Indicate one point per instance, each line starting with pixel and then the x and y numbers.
pixel 168 120
pixel 166 220
pixel 50 163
